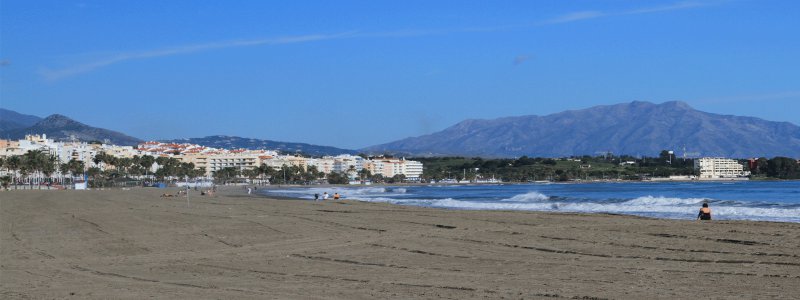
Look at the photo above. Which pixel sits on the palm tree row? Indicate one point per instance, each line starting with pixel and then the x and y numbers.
pixel 37 167
pixel 285 175
pixel 34 167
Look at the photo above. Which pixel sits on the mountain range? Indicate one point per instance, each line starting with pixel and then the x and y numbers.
pixel 636 128
pixel 235 142
pixel 10 120
pixel 14 125
pixel 58 127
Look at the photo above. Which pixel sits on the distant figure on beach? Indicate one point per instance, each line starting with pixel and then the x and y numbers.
pixel 316 196
pixel 325 196
pixel 705 213
pixel 336 196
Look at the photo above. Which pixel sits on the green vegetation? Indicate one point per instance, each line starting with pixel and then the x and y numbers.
pixel 606 167
pixel 37 167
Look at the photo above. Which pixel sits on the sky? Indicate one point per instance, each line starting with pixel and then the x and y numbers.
pixel 353 74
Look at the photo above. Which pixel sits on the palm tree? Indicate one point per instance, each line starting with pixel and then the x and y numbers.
pixel 39 163
pixel 13 164
pixel 49 166
pixel 93 173
pixel 5 180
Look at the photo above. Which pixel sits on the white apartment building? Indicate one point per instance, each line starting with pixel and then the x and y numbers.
pixel 719 168
pixel 346 162
pixel 391 167
pixel 412 169
pixel 324 165
pixel 210 159
pixel 241 161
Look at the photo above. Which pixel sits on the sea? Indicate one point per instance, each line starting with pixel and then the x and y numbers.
pixel 739 200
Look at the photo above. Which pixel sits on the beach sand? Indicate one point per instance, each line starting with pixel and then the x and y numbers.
pixel 133 244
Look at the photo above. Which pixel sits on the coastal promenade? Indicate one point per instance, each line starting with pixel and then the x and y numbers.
pixel 135 244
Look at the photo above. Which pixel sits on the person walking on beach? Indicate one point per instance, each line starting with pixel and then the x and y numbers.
pixel 705 213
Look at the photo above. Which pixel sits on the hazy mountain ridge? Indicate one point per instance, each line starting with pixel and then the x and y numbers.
pixel 235 142
pixel 59 127
pixel 10 119
pixel 14 125
pixel 630 128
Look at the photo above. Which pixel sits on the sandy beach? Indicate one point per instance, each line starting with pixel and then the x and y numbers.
pixel 134 244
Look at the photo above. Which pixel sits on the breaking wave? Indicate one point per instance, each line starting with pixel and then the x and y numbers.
pixel 528 197
pixel 753 201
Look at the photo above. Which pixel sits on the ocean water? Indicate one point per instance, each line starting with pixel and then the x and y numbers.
pixel 746 200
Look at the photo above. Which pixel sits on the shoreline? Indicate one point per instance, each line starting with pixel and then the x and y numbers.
pixel 665 216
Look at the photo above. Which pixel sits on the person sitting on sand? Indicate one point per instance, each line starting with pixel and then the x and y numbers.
pixel 166 195
pixel 705 213
pixel 336 196
pixel 325 196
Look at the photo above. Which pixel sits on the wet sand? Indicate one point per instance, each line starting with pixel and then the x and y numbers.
pixel 133 244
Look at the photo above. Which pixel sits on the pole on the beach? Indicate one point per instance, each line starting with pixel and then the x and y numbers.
pixel 187 196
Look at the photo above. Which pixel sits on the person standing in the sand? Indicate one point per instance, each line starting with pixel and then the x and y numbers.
pixel 705 213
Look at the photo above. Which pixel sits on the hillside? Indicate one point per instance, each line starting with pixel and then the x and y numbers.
pixel 10 119
pixel 59 127
pixel 630 128
pixel 234 142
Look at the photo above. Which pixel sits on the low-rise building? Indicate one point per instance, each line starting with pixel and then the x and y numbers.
pixel 711 168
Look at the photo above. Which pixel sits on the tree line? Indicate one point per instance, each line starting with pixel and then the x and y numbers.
pixel 608 167
pixel 37 167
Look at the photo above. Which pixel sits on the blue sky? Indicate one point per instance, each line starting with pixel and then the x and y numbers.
pixel 358 73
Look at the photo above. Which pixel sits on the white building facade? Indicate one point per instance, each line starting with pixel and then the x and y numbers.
pixel 719 168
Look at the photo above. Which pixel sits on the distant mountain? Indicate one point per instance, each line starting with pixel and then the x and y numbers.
pixel 234 142
pixel 10 119
pixel 59 127
pixel 630 128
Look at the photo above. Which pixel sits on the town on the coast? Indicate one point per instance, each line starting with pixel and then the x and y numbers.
pixel 39 161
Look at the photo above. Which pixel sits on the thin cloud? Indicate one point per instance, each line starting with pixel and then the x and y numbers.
pixel 585 15
pixel 520 59
pixel 576 16
pixel 57 74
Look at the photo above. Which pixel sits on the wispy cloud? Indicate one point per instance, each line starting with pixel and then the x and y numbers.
pixel 576 16
pixel 585 15
pixel 56 74
pixel 520 59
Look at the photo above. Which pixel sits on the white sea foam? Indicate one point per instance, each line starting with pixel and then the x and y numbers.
pixel 680 209
pixel 662 201
pixel 654 206
pixel 528 197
